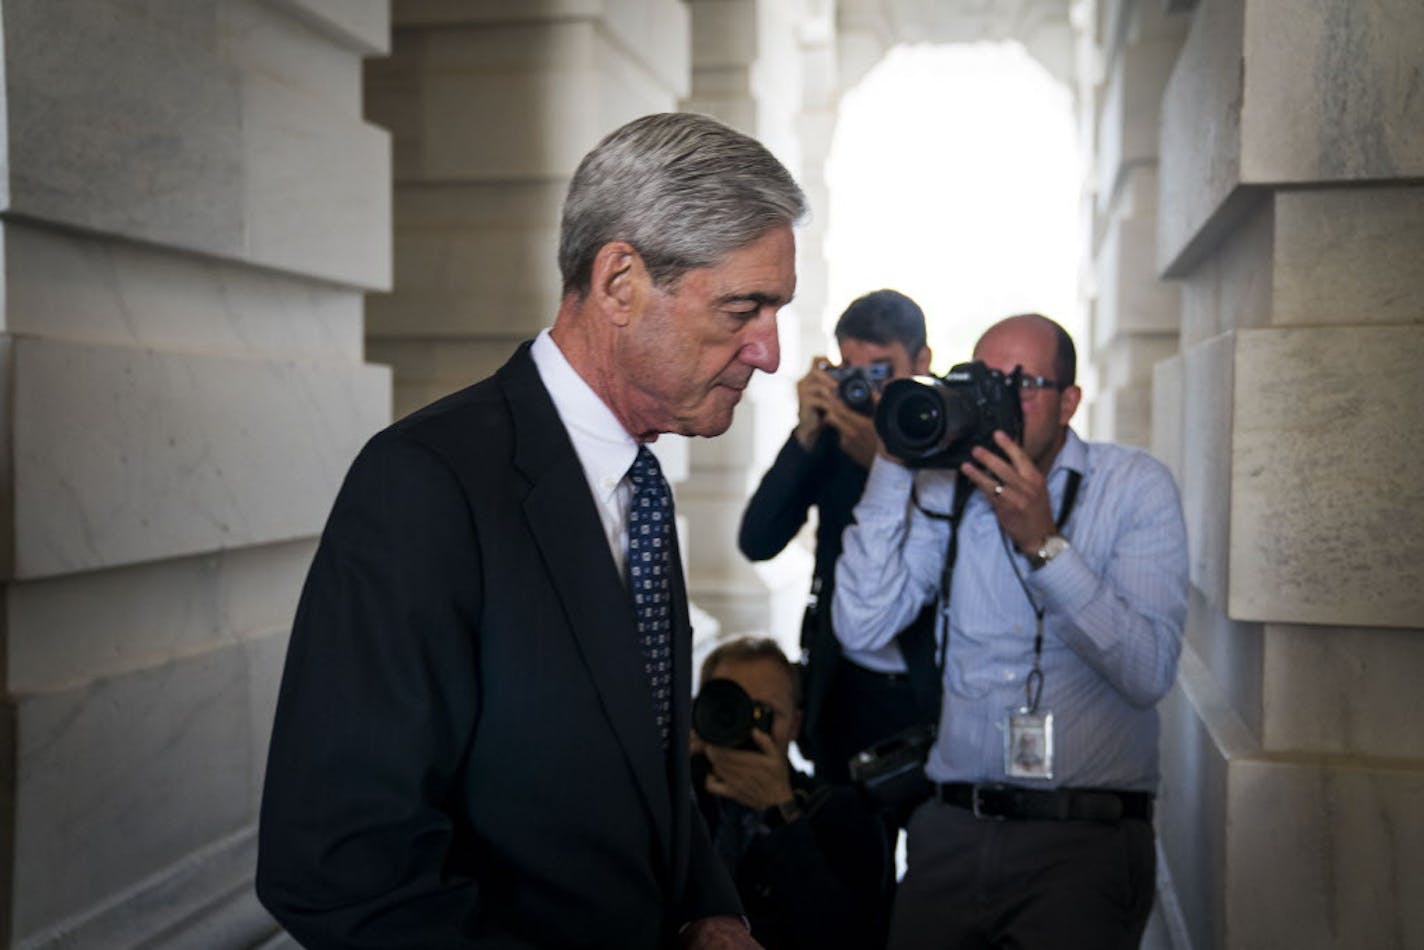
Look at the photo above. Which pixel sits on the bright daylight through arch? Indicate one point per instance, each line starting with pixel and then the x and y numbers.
pixel 954 176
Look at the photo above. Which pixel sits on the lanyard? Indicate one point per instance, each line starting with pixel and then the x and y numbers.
pixel 1033 685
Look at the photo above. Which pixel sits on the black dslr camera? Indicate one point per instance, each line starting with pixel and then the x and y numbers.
pixel 930 422
pixel 724 715
pixel 857 385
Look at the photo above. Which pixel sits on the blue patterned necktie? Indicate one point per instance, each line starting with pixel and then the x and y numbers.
pixel 650 567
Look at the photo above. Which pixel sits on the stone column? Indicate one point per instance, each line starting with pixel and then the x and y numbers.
pixel 1134 313
pixel 1290 210
pixel 192 211
pixel 748 71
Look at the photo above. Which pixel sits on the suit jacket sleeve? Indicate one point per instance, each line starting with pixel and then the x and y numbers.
pixel 778 508
pixel 377 705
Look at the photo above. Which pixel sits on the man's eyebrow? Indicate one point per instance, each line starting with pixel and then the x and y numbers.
pixel 759 298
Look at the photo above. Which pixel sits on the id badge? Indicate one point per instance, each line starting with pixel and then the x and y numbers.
pixel 1028 744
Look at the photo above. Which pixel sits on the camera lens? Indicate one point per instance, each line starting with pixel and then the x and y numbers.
pixel 856 392
pixel 920 418
pixel 723 714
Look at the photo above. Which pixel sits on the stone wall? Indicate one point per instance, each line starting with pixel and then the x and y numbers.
pixel 1292 143
pixel 192 211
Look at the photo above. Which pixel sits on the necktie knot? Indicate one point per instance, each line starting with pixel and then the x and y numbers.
pixel 645 472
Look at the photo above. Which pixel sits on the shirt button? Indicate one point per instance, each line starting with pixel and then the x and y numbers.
pixel 1008 677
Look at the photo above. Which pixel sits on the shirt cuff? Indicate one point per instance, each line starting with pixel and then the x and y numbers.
pixel 1066 583
pixel 887 485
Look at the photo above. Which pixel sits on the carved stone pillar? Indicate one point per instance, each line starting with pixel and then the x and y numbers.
pixel 1290 210
pixel 193 210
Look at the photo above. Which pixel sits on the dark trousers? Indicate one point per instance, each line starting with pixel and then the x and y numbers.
pixel 1029 885
pixel 861 708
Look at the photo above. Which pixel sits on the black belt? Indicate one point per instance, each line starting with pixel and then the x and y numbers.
pixel 1057 804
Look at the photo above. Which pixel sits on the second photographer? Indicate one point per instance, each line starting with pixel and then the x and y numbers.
pixel 810 860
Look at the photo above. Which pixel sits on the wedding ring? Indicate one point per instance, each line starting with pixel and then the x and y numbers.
pixel 999 489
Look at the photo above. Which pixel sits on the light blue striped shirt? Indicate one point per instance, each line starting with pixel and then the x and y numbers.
pixel 1114 601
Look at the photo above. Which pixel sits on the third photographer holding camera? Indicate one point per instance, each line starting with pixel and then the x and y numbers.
pixel 857 699
pixel 1067 565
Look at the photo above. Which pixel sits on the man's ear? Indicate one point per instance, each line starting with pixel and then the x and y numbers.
pixel 922 361
pixel 1069 404
pixel 619 282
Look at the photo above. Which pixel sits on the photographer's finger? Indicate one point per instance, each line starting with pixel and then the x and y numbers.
pixel 981 479
pixel 997 467
pixel 1016 455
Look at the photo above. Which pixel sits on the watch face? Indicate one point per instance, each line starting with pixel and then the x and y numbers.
pixel 1052 547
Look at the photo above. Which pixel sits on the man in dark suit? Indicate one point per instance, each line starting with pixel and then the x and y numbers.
pixel 481 736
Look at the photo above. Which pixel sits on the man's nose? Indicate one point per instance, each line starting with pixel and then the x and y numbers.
pixel 762 349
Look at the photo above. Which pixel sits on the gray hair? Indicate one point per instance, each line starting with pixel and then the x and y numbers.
pixel 683 189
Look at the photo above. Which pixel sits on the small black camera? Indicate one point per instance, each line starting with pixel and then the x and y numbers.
pixel 857 385
pixel 935 422
pixel 724 715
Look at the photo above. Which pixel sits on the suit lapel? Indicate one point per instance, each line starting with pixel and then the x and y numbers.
pixel 564 522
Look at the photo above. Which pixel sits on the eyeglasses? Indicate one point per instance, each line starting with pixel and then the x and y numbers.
pixel 1032 384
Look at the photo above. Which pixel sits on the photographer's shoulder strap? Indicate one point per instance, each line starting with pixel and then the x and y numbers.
pixel 962 490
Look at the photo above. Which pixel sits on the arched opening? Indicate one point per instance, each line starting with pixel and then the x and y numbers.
pixel 955 176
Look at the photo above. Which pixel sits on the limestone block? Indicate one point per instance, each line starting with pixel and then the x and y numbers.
pixel 467 284
pixel 442 366
pixel 1207 486
pixel 204 899
pixel 1327 476
pixel 364 25
pixel 1342 691
pixel 64 286
pixel 283 42
pixel 66 631
pixel 1231 288
pixel 152 138
pixel 724 33
pixel 1274 92
pixel 472 260
pixel 1198 737
pixel 317 198
pixel 125 455
pixel 166 142
pixel 712 548
pixel 1130 121
pixel 655 31
pixel 1348 251
pixel 1168 413
pixel 474 92
pixel 118 779
pixel 1123 414
pixel 1365 120
pixel 1324 855
pixel 1131 358
pixel 1131 297
pixel 1233 654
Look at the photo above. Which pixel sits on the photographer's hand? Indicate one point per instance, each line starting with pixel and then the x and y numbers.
pixel 1017 491
pixel 758 778
pixel 815 395
pixel 857 432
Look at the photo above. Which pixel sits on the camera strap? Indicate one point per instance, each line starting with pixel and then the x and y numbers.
pixel 963 488
pixel 1033 686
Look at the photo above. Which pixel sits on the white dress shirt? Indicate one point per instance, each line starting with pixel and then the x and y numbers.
pixel 604 447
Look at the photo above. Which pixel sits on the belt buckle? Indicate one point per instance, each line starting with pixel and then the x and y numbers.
pixel 976 801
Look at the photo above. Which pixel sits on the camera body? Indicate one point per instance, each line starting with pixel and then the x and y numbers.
pixel 857 385
pixel 935 422
pixel 891 772
pixel 724 715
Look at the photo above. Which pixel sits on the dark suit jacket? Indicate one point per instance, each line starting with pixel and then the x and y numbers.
pixel 465 752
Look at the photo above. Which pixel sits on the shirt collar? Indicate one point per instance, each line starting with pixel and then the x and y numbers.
pixel 1073 455
pixel 604 447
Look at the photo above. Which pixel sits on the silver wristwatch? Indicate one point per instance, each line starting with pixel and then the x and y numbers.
pixel 1052 546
